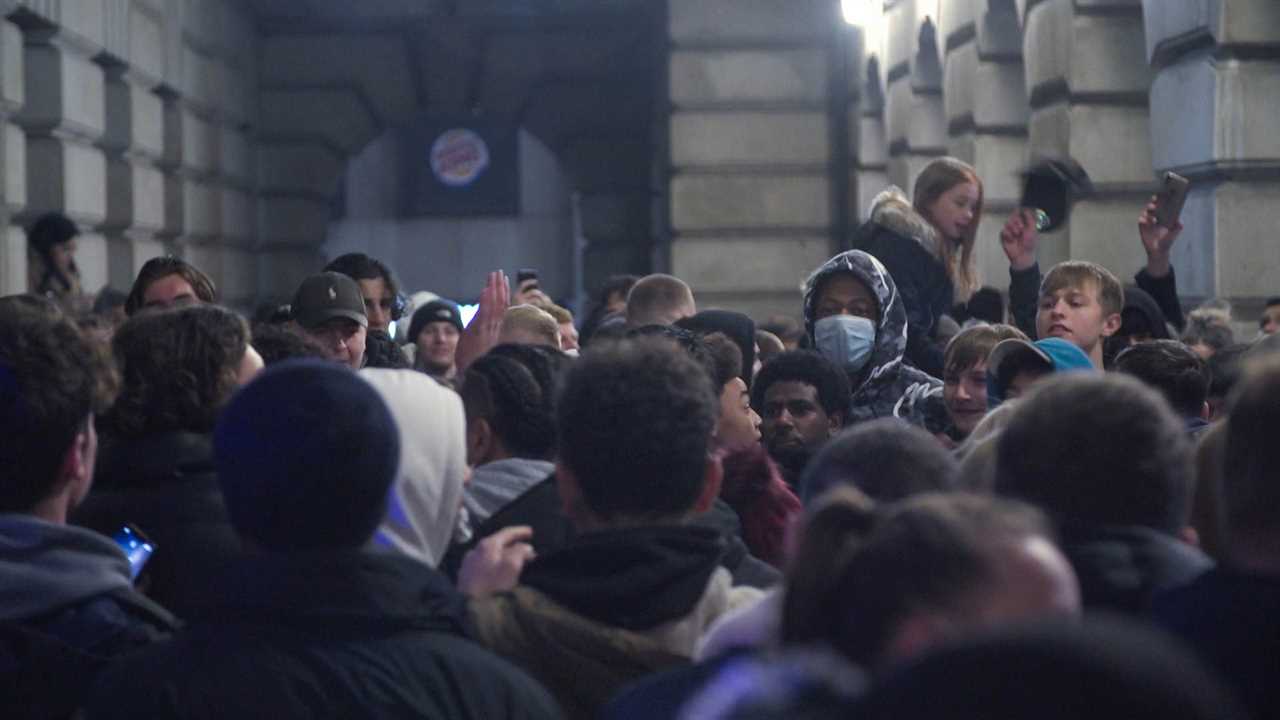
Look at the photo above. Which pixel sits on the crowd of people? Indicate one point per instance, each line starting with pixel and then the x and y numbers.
pixel 914 497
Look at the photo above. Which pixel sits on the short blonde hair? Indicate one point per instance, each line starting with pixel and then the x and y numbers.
pixel 1077 274
pixel 562 315
pixel 655 299
pixel 529 325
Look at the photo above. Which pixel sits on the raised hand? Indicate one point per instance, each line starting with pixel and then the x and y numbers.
pixel 1019 238
pixel 495 564
pixel 1157 239
pixel 482 334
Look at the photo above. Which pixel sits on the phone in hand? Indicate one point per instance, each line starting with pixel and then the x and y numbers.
pixel 1172 196
pixel 136 546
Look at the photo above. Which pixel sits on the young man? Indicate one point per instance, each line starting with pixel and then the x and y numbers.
pixel 1014 365
pixel 529 325
pixel 67 603
pixel 1231 615
pixel 1269 323
pixel 964 379
pixel 855 318
pixel 633 592
pixel 315 624
pixel 328 309
pixel 383 303
pixel 1103 455
pixel 1177 373
pixel 659 300
pixel 167 281
pixel 434 332
pixel 1080 302
pixel 802 399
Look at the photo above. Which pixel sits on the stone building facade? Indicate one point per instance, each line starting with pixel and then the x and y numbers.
pixel 732 142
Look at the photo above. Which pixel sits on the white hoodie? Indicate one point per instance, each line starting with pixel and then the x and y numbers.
pixel 423 504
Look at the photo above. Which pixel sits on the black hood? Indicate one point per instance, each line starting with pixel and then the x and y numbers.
pixel 1138 303
pixel 738 327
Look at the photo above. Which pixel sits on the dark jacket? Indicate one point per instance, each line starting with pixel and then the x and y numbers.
pixel 67 607
pixel 325 635
pixel 609 608
pixel 1122 569
pixel 539 508
pixel 886 387
pixel 1232 620
pixel 906 243
pixel 1024 297
pixel 167 486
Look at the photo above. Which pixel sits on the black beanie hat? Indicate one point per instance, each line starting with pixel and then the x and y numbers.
pixel 306 454
pixel 740 329
pixel 434 311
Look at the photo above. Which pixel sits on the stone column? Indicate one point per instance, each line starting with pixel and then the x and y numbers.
pixel 1088 80
pixel 871 148
pixel 64 120
pixel 914 117
pixel 1215 118
pixel 751 149
pixel 985 100
pixel 13 163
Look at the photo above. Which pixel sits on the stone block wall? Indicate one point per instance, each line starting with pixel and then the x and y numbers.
pixel 136 119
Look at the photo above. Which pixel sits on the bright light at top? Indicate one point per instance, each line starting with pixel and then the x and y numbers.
pixel 855 11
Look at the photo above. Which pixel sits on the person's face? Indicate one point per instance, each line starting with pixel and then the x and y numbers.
pixel 342 341
pixel 250 365
pixel 1022 382
pixel 1075 315
pixel 793 423
pixel 844 294
pixel 169 291
pixel 377 302
pixel 615 303
pixel 739 425
pixel 62 255
pixel 964 392
pixel 437 345
pixel 955 211
pixel 1270 322
pixel 568 336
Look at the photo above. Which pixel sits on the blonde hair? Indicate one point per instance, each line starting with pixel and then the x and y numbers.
pixel 937 178
pixel 529 325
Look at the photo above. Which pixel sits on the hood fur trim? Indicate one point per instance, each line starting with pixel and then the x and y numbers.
pixel 893 210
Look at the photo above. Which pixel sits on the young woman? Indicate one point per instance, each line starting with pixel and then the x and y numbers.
pixel 927 247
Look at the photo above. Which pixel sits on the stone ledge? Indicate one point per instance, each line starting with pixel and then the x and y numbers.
pixel 713 139
pixel 710 202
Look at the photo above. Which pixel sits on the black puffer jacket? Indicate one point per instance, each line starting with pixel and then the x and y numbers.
pixel 1122 569
pixel 887 386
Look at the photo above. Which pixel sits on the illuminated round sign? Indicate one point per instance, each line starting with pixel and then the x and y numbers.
pixel 458 157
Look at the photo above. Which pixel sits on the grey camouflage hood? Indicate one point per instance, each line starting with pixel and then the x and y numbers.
pixel 890 388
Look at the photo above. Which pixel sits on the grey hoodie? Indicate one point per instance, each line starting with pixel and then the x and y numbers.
pixel 888 387
pixel 45 567
pixel 494 485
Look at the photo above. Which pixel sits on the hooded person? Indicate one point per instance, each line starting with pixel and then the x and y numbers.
pixel 861 326
pixel 424 501
pixel 737 327
pixel 1140 320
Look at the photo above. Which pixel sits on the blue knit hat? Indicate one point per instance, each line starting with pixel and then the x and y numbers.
pixel 306 454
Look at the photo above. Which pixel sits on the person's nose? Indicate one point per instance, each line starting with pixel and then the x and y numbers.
pixel 962 391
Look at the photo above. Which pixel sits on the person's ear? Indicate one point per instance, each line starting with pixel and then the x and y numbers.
pixel 479 441
pixel 1206 411
pixel 1111 324
pixel 1190 536
pixel 712 477
pixel 835 422
pixel 75 474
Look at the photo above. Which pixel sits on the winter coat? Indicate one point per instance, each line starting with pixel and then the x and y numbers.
pixel 422 507
pixel 907 244
pixel 342 634
pixel 754 488
pixel 1121 569
pixel 887 386
pixel 67 607
pixel 494 485
pixel 609 608
pixel 167 486
pixel 540 509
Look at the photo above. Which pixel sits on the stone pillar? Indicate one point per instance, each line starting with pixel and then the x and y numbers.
pixel 64 120
pixel 13 163
pixel 1088 81
pixel 914 117
pixel 1215 118
pixel 751 148
pixel 985 100
pixel 871 148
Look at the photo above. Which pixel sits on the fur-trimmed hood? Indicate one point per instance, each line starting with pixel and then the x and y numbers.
pixel 893 210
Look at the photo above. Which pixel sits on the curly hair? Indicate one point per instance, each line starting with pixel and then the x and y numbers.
pixel 810 368
pixel 635 420
pixel 51 378
pixel 513 387
pixel 179 368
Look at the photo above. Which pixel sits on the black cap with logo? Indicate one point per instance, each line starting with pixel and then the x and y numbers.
pixel 326 296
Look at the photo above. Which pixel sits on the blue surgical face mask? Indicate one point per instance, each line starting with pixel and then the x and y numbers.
pixel 845 340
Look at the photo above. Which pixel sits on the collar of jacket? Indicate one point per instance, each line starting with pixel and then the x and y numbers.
pixel 332 590
pixel 636 578
pixel 155 459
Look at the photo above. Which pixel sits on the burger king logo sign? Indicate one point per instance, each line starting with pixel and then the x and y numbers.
pixel 458 157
